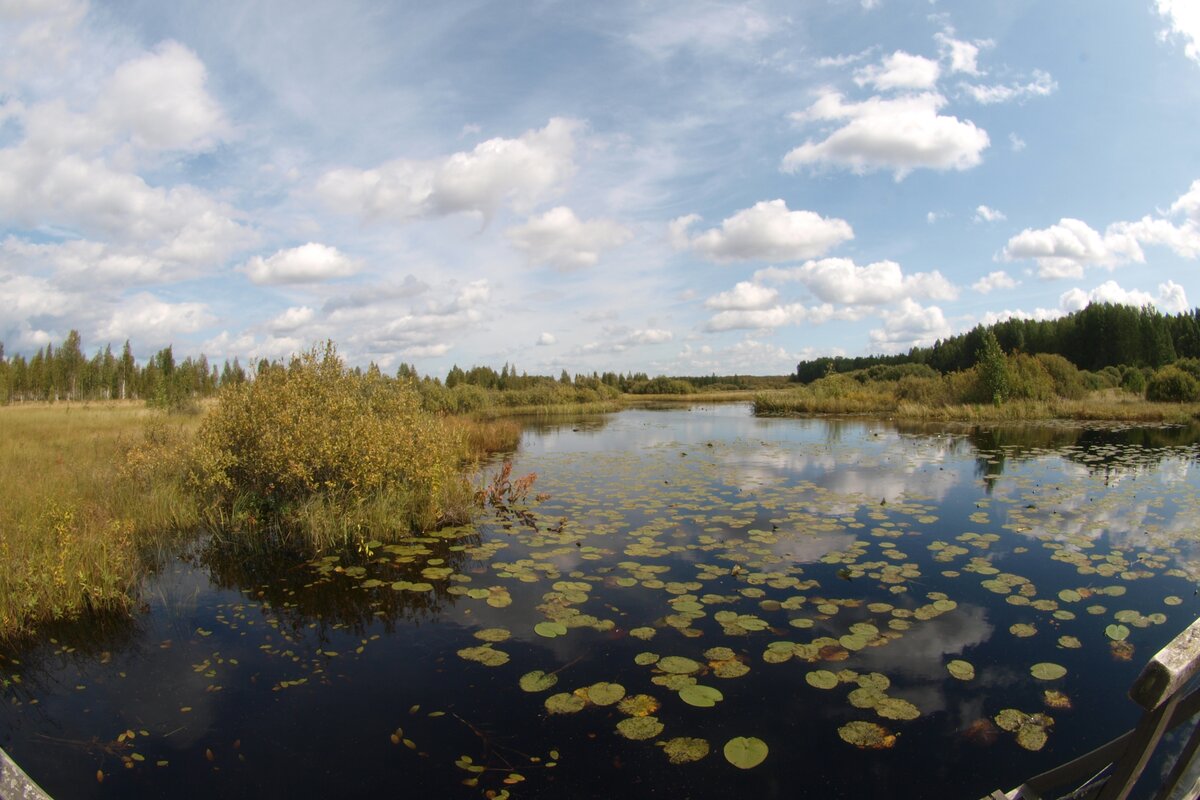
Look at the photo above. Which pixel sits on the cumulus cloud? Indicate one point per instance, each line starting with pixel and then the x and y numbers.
pixel 1188 203
pixel 514 172
pixel 910 325
pixel 1064 249
pixel 546 339
pixel 900 70
pixel 145 318
pixel 744 296
pixel 292 319
pixel 560 239
pixel 1171 297
pixel 711 27
pixel 899 134
pixel 840 280
pixel 1016 143
pixel 620 339
pixel 308 263
pixel 767 231
pixel 986 214
pixel 992 281
pixel 161 99
pixel 963 56
pixel 420 332
pixel 1042 85
pixel 1183 22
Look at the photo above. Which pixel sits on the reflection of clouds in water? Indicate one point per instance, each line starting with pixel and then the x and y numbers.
pixel 807 549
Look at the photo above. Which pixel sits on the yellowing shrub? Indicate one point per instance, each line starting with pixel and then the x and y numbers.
pixel 315 432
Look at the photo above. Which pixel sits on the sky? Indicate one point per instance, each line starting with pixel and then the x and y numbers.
pixel 673 187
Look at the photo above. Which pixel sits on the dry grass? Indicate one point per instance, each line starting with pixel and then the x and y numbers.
pixel 74 509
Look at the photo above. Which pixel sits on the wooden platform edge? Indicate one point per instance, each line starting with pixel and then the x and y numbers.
pixel 15 784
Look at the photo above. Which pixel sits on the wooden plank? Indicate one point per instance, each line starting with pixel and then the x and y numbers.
pixel 1146 737
pixel 15 784
pixel 1169 670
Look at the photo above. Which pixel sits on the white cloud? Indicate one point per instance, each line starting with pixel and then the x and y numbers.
pixel 308 263
pixel 515 172
pixel 705 26
pixel 963 56
pixel 900 70
pixel 1042 85
pixel 768 231
pixel 840 280
pixel 1016 143
pixel 985 214
pixel 1039 314
pixel 766 318
pixel 1171 297
pixel 992 281
pixel 146 319
pixel 910 325
pixel 546 339
pixel 160 98
pixel 1189 203
pixel 1183 240
pixel 562 240
pixel 933 216
pixel 899 134
pixel 1064 249
pixel 649 336
pixel 744 296
pixel 1183 19
pixel 292 319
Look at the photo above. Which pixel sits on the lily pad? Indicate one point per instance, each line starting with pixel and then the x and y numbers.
pixel 605 694
pixel 1118 633
pixel 896 708
pixel 550 629
pixel 537 681
pixel 638 728
pixel 822 679
pixel 638 705
pixel 679 665
pixel 564 703
pixel 745 752
pixel 645 659
pixel 962 670
pixel 484 654
pixel 1045 671
pixel 685 749
pixel 493 634
pixel 867 735
pixel 700 696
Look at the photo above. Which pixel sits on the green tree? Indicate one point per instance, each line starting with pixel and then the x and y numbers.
pixel 993 368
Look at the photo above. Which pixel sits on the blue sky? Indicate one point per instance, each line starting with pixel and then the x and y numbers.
pixel 670 187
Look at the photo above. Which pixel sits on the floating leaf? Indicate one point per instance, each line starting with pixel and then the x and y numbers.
pixel 564 703
pixel 1011 719
pixel 679 665
pixel 822 679
pixel 1045 671
pixel 537 681
pixel 745 752
pixel 1118 633
pixel 1054 699
pixel 729 669
pixel 638 705
pixel 1069 642
pixel 962 670
pixel 493 634
pixel 719 654
pixel 645 634
pixel 1172 600
pixel 645 659
pixel 700 696
pixel 685 749
pixel 639 728
pixel 1031 737
pixel 550 629
pixel 1022 630
pixel 605 694
pixel 867 735
pixel 896 708
pixel 484 654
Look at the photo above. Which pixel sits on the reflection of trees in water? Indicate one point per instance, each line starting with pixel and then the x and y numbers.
pixel 298 595
pixel 588 423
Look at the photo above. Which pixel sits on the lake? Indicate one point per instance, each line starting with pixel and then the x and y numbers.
pixel 843 607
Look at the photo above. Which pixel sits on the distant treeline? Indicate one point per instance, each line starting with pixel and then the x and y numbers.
pixel 66 373
pixel 1101 335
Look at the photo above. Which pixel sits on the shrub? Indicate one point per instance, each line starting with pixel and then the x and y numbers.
pixel 1028 378
pixel 1172 385
pixel 1068 382
pixel 1190 365
pixel 993 369
pixel 314 433
pixel 1134 380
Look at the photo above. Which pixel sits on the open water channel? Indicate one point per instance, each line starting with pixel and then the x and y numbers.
pixel 846 608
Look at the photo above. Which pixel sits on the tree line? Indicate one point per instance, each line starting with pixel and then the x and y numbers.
pixel 1098 336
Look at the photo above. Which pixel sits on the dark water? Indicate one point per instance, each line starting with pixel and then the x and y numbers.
pixel 247 678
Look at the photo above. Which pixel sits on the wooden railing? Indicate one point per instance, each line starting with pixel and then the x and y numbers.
pixel 1165 691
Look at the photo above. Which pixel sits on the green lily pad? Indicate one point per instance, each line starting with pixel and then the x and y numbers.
pixel 537 681
pixel 645 659
pixel 1031 737
pixel 745 752
pixel 644 633
pixel 867 735
pixel 685 749
pixel 638 705
pixel 963 670
pixel 605 694
pixel 729 669
pixel 484 654
pixel 1011 719
pixel 1045 671
pixel 564 703
pixel 700 696
pixel 822 679
pixel 493 634
pixel 679 665
pixel 1118 633
pixel 550 629
pixel 638 728
pixel 896 708
pixel 1022 630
